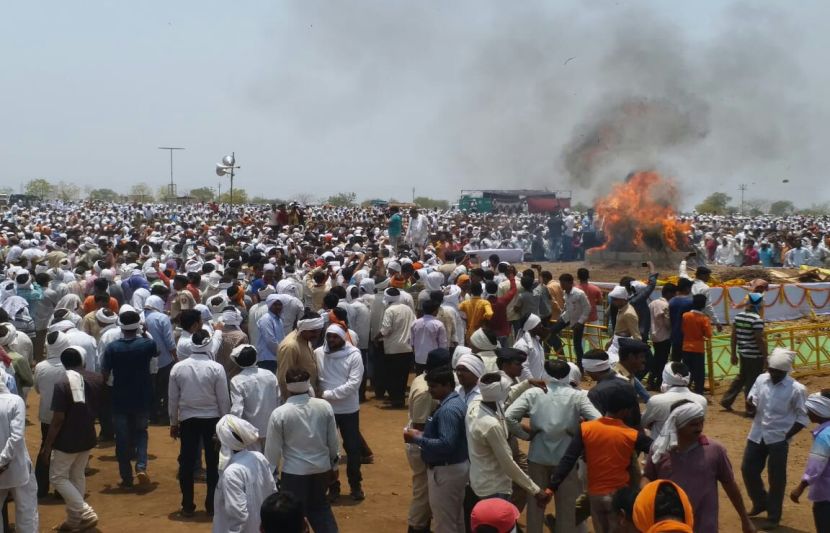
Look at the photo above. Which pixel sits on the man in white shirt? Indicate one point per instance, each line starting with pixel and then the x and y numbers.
pixel 198 398
pixel 780 414
pixel 254 391
pixel 660 334
pixel 492 468
pixel 554 417
pixel 417 232
pixel 47 374
pixel 396 335
pixel 16 473
pixel 246 480
pixel 341 372
pixel 576 313
pixel 675 388
pixel 302 446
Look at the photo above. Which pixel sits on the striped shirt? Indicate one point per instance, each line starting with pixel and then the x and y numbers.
pixel 747 324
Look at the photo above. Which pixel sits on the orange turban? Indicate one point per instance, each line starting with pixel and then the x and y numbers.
pixel 644 509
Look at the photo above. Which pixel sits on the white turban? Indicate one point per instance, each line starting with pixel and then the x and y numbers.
pixel 204 311
pixel 60 325
pixel 458 352
pixel 619 292
pixel 595 365
pixel 154 302
pixel 238 350
pixel 531 322
pixel 819 405
pixel 11 334
pixel 781 359
pixel 231 317
pixel 235 433
pixel 667 440
pixel 310 324
pixel 265 292
pixel 479 340
pixel 670 379
pixel 389 299
pixel 104 319
pixel 271 299
pixel 472 363
pixel 55 349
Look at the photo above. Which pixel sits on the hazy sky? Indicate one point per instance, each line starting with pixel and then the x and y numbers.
pixel 379 96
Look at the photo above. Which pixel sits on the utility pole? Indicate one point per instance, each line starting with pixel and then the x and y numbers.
pixel 172 191
pixel 742 187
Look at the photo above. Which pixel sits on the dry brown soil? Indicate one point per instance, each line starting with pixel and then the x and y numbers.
pixel 386 481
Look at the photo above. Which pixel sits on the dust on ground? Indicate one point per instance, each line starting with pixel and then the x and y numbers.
pixel 386 482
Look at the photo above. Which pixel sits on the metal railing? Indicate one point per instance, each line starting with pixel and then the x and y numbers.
pixel 810 342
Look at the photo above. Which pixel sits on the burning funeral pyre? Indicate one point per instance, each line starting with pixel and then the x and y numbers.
pixel 638 221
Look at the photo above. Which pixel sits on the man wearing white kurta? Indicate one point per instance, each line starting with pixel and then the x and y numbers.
pixel 246 480
pixel 17 475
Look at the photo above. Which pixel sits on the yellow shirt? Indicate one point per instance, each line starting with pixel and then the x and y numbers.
pixel 477 311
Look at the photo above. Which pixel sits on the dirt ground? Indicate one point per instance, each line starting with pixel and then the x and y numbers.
pixel 386 482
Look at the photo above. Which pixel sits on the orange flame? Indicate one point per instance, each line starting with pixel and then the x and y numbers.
pixel 639 215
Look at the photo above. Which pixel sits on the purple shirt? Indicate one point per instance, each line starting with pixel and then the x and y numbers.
pixel 817 473
pixel 428 333
pixel 697 471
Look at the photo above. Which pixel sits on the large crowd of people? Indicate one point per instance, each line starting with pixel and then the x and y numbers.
pixel 264 329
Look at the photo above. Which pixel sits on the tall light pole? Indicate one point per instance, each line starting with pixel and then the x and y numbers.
pixel 742 187
pixel 172 191
pixel 227 167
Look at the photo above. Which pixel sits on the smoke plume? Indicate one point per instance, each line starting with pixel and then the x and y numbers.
pixel 563 95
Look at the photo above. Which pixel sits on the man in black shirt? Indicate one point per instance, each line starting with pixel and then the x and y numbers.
pixel 75 403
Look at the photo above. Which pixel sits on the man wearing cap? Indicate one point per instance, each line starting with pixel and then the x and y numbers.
pixel 246 480
pixel 421 406
pixel 198 394
pixel 779 415
pixel 341 372
pixel 302 446
pixel 554 416
pixel 295 350
pixel 443 444
pixel 494 515
pixel 750 345
pixel 254 390
pixel 271 333
pixel 816 473
pixel 128 360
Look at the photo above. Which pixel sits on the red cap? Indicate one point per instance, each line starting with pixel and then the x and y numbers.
pixel 495 512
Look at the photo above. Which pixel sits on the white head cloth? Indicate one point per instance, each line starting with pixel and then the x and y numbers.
pixel 310 324
pixel 479 340
pixel 619 293
pixel 670 379
pixel 667 440
pixel 596 365
pixel 235 433
pixel 819 405
pixel 472 363
pixel 781 359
